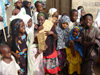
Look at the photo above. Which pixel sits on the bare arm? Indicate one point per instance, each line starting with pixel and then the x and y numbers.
pixel 1 19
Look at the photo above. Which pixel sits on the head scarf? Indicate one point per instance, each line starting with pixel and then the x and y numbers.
pixel 52 11
pixel 63 34
pixel 25 5
pixel 65 19
pixel 26 18
pixel 77 46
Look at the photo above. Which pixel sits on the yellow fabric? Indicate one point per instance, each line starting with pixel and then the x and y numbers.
pixel 74 62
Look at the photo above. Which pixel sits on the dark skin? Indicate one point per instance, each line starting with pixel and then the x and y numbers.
pixel 88 26
pixel 55 15
pixel 6 55
pixel 39 7
pixel 1 19
pixel 75 32
pixel 74 16
pixel 18 4
pixel 41 20
pixel 15 11
pixel 71 46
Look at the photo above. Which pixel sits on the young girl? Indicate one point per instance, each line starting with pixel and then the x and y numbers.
pixel 50 54
pixel 8 65
pixel 62 31
pixel 75 36
pixel 19 46
pixel 91 44
pixel 73 58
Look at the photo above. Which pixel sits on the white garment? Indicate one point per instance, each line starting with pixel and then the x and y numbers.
pixel 35 65
pixel 71 25
pixel 35 17
pixel 9 69
pixel 52 11
pixel 97 20
pixel 1 23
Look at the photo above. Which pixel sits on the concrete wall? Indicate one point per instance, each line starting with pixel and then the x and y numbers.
pixel 91 6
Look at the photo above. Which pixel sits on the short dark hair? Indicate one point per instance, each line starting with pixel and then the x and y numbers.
pixel 79 7
pixel 73 10
pixel 37 2
pixel 89 14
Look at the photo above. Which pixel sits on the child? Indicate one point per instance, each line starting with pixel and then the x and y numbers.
pixel 8 65
pixel 91 44
pixel 73 18
pixel 73 58
pixel 62 31
pixel 75 36
pixel 19 46
pixel 26 6
pixel 39 8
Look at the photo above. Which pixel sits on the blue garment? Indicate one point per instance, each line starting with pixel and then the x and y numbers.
pixel 3 12
pixel 77 46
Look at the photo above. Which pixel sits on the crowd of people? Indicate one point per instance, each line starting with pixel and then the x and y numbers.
pixel 47 44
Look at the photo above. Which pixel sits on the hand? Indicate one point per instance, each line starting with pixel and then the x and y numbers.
pixel 40 28
pixel 20 72
pixel 49 33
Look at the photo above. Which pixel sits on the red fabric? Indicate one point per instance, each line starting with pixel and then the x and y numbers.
pixel 53 55
pixel 52 71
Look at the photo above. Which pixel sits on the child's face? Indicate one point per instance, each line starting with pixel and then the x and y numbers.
pixel 6 52
pixel 41 20
pixel 64 25
pixel 30 23
pixel 88 21
pixel 19 3
pixel 40 7
pixel 75 32
pixel 74 16
pixel 29 5
pixel 22 28
pixel 55 14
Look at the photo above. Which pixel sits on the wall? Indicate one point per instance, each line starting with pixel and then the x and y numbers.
pixel 91 6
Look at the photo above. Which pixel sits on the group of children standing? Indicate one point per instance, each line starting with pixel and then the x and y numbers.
pixel 71 41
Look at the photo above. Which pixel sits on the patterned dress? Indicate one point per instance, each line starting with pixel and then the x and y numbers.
pixel 22 61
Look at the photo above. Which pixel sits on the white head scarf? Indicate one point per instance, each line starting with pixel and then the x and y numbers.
pixel 52 11
pixel 26 18
pixel 97 20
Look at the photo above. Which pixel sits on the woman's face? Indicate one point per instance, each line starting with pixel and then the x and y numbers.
pixel 75 32
pixel 64 25
pixel 22 28
pixel 41 20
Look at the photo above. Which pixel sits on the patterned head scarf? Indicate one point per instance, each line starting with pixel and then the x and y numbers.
pixel 77 46
pixel 52 11
pixel 65 19
pixel 63 34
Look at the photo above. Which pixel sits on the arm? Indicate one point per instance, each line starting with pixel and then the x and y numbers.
pixel 1 19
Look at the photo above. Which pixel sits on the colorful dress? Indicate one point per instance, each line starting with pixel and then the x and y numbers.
pixel 74 62
pixel 22 61
pixel 50 59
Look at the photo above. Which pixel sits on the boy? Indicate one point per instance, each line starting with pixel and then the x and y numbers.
pixel 91 44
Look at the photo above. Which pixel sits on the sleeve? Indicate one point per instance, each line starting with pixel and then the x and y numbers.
pixel 17 66
pixel 97 40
